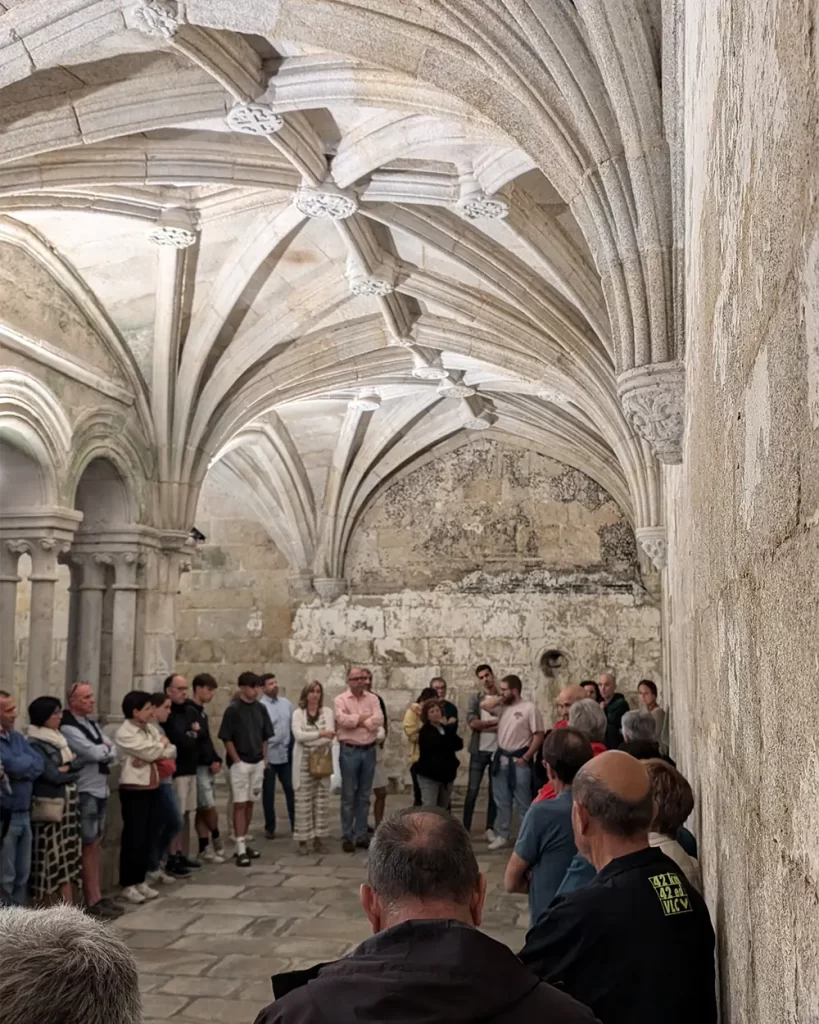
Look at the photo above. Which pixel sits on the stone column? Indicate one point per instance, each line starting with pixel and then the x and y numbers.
pixel 10 552
pixel 125 589
pixel 43 580
pixel 89 625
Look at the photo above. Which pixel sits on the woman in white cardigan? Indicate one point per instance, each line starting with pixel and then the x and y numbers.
pixel 313 732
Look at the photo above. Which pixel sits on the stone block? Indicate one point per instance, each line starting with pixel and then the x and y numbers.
pixel 155 919
pixel 236 965
pixel 199 986
pixel 168 961
pixel 162 1006
pixel 219 924
pixel 309 882
pixel 225 1009
pixel 195 891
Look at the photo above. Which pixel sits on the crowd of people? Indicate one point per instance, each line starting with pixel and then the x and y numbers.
pixel 601 850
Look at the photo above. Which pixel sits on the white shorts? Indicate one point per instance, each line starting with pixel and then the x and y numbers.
pixel 380 777
pixel 185 788
pixel 246 781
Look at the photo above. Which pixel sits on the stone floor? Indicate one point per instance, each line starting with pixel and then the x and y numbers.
pixel 207 947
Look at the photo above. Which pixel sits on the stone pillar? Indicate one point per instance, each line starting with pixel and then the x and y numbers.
pixel 156 610
pixel 125 588
pixel 10 552
pixel 43 580
pixel 89 615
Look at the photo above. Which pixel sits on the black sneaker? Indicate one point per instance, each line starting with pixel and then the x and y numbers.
pixel 268 834
pixel 253 854
pixel 347 846
pixel 176 868
pixel 102 912
pixel 363 844
pixel 243 859
pixel 186 862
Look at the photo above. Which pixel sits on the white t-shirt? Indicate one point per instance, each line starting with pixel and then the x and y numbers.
pixel 488 738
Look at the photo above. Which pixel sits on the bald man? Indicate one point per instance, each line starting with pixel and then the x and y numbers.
pixel 635 945
pixel 568 695
pixel 615 705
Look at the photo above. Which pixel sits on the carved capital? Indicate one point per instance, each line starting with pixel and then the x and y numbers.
pixel 378 281
pixel 172 235
pixel 480 206
pixel 18 547
pixel 455 389
pixel 254 119
pixel 329 588
pixel 653 399
pixel 325 201
pixel 652 539
pixel 156 18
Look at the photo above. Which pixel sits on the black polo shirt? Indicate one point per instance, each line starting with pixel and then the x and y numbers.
pixel 636 944
pixel 247 727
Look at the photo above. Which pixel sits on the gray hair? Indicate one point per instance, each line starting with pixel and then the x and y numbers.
pixel 589 718
pixel 58 963
pixel 639 725
pixel 422 854
pixel 619 817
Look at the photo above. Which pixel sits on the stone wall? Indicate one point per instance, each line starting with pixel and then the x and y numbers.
pixel 743 508
pixel 489 553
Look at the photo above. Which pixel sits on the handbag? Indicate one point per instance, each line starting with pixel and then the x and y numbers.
pixel 320 763
pixel 47 810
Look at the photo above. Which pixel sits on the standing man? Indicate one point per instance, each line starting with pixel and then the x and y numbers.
pixel 279 755
pixel 245 731
pixel 22 764
pixel 450 722
pixel 639 908
pixel 520 735
pixel 545 846
pixel 380 777
pixel 483 742
pixel 358 718
pixel 208 765
pixel 95 753
pixel 182 729
pixel 615 705
pixel 568 695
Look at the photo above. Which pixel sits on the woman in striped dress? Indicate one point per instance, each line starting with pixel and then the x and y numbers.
pixel 313 732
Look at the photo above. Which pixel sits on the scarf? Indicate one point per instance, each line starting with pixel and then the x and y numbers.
pixel 55 738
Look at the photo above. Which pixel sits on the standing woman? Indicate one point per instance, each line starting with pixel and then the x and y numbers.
pixel 313 730
pixel 412 727
pixel 648 698
pixel 56 848
pixel 140 748
pixel 437 763
pixel 169 821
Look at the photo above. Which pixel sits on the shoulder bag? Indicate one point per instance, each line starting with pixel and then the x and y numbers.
pixel 47 810
pixel 320 762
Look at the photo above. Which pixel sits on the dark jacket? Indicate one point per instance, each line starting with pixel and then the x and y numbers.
pixel 640 909
pixel 179 730
pixel 422 972
pixel 615 709
pixel 436 754
pixel 205 749
pixel 52 782
pixel 22 764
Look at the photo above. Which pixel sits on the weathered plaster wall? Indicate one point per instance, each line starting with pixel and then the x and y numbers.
pixel 744 507
pixel 488 553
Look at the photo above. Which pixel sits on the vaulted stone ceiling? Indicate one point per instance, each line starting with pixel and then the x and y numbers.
pixel 319 241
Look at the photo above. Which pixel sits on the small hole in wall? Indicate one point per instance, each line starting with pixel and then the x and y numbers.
pixel 739 416
pixel 551 662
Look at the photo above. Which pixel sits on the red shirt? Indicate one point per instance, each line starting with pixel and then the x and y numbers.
pixel 547 793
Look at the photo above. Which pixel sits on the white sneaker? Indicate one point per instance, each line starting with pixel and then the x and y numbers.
pixel 147 891
pixel 489 836
pixel 498 843
pixel 159 878
pixel 132 894
pixel 212 857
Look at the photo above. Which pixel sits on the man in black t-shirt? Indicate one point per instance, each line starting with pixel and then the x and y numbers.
pixel 639 910
pixel 245 730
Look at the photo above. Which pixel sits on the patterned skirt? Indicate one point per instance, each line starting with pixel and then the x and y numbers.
pixel 312 798
pixel 56 850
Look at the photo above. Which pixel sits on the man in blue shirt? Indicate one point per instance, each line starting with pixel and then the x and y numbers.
pixel 545 846
pixel 279 755
pixel 22 764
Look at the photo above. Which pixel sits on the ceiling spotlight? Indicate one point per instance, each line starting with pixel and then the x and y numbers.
pixel 368 402
pixel 455 389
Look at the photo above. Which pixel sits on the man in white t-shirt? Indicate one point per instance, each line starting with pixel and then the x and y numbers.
pixel 520 735
pixel 482 746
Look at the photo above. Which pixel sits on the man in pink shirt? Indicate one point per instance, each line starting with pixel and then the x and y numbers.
pixel 358 719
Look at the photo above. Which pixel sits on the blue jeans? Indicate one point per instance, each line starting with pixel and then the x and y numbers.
pixel 15 860
pixel 169 824
pixel 357 774
pixel 478 763
pixel 284 773
pixel 505 796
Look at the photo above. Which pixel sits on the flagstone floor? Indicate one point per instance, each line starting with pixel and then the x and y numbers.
pixel 207 947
